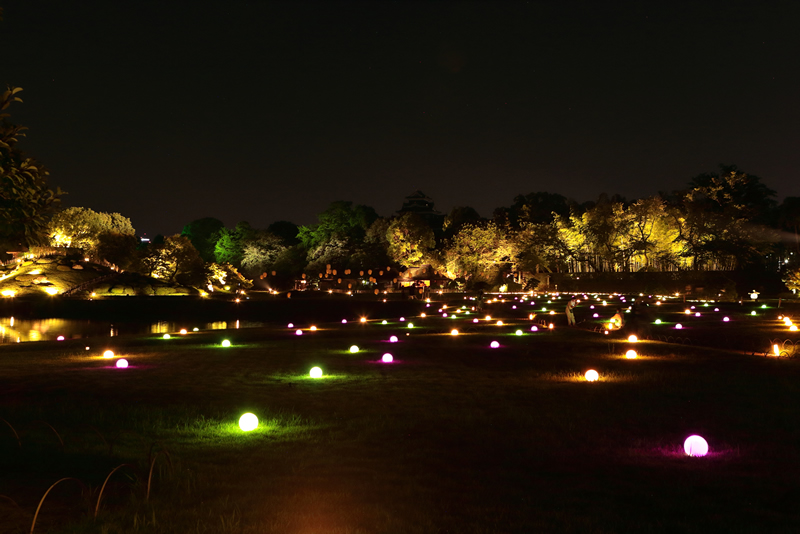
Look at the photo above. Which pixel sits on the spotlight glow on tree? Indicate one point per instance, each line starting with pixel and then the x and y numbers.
pixel 695 446
pixel 248 422
pixel 315 372
pixel 592 375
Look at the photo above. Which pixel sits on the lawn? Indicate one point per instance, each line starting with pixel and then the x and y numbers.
pixel 451 437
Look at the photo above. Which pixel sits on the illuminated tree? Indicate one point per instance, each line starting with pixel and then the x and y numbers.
pixel 260 252
pixel 410 240
pixel 479 252
pixel 339 237
pixel 176 260
pixel 229 247
pixel 26 202
pixel 82 228
pixel 203 233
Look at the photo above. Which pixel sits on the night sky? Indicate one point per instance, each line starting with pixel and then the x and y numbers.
pixel 260 111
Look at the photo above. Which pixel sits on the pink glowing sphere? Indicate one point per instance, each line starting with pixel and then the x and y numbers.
pixel 402 319
pixel 344 321
pixel 122 363
pixel 534 329
pixel 475 320
pixel 678 326
pixel 695 446
pixel 299 332
pixel 494 344
pixel 290 325
pixel 60 338
pixel 387 358
pixel 393 339
pixel 725 319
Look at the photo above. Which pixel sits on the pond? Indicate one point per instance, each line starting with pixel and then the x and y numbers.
pixel 14 330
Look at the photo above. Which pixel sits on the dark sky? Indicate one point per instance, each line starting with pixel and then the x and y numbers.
pixel 260 111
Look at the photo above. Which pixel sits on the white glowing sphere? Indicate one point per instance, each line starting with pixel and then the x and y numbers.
pixel 402 319
pixel 165 336
pixel 387 358
pixel 494 344
pixel 592 375
pixel 793 328
pixel 716 309
pixel 299 332
pixel 695 446
pixel 631 354
pixel 248 422
pixel 632 338
pixel 753 312
pixel 678 326
pixel 518 333
pixel 316 372
pixel 411 325
pixel 697 314
pixel 195 329
pixel 122 363
pixel 453 332
pixel 226 343
pixel 106 354
pixel 184 331
pixel 354 349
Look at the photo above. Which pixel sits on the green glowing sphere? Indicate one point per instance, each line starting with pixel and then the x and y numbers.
pixel 354 349
pixel 248 422
pixel 226 343
pixel 316 372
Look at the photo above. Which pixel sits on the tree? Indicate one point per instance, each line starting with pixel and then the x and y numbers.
pixel 457 218
pixel 339 236
pixel 176 260
pixel 81 227
pixel 260 252
pixel 478 252
pixel 285 230
pixel 410 240
pixel 229 247
pixel 203 233
pixel 26 202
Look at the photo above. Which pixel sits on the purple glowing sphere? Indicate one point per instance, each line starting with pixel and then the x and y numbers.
pixel 122 363
pixel 725 319
pixel 299 332
pixel 695 446
pixel 494 344
pixel 393 339
pixel 387 358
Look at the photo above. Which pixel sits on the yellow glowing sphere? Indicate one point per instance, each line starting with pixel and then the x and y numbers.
pixel 248 422
pixel 632 338
pixel 631 354
pixel 453 332
pixel 108 354
pixel 183 331
pixel 551 326
pixel 488 317
pixel 363 319
pixel 226 343
pixel 793 328
pixel 8 293
pixel 316 372
pixel 499 323
pixel 592 375
pixel 313 328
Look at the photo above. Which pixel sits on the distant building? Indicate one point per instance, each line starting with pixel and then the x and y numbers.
pixel 421 204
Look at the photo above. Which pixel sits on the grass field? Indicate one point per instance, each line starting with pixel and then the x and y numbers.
pixel 451 437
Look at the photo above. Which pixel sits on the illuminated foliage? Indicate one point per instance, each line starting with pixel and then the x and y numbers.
pixel 176 260
pixel 340 236
pixel 410 240
pixel 477 252
pixel 26 202
pixel 203 233
pixel 83 228
pixel 260 252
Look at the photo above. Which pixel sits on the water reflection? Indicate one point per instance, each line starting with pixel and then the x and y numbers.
pixel 22 330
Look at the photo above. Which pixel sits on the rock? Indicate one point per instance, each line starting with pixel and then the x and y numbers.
pixel 45 261
pixel 63 267
pixel 78 266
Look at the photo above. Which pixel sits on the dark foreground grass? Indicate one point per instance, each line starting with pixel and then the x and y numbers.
pixel 451 437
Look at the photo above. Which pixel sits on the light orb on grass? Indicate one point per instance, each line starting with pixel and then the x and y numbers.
pixel 632 338
pixel 453 332
pixel 316 372
pixel 499 323
pixel 290 325
pixel 122 363
pixel 494 344
pixel 184 331
pixel 592 375
pixel 384 322
pixel 695 446
pixel 195 329
pixel 313 328
pixel 166 336
pixel 248 422
pixel 678 326
pixel 106 354
pixel 298 332
pixel 793 328
pixel 518 333
pixel 353 349
pixel 393 339
pixel 534 328
pixel 60 338
pixel 631 354
pixel 753 312
pixel 725 319
pixel 226 343
pixel 658 321
pixel 387 358
pixel 411 325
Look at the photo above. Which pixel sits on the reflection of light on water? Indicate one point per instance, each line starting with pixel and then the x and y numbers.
pixel 218 325
pixel 113 332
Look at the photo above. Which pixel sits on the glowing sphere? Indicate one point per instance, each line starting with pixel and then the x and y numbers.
pixel 551 326
pixel 122 363
pixel 518 333
pixel 697 314
pixel 716 309
pixel 195 329
pixel 363 319
pixel 494 344
pixel 226 343
pixel 402 319
pixel 165 336
pixel 687 311
pixel 299 332
pixel 631 354
pixel 183 331
pixel 534 329
pixel 60 338
pixel 725 319
pixel 353 349
pixel 290 325
pixel 444 315
pixel 106 354
pixel 248 422
pixel 678 326
pixel 793 328
pixel 387 358
pixel 596 315
pixel 488 317
pixel 475 320
pixel 316 372
pixel 695 446
pixel 384 322
pixel 411 325
pixel 753 312
pixel 393 339
pixel 592 375
pixel 499 323
pixel 632 338
pixel 313 328
pixel 658 321
pixel 344 321
pixel 453 332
